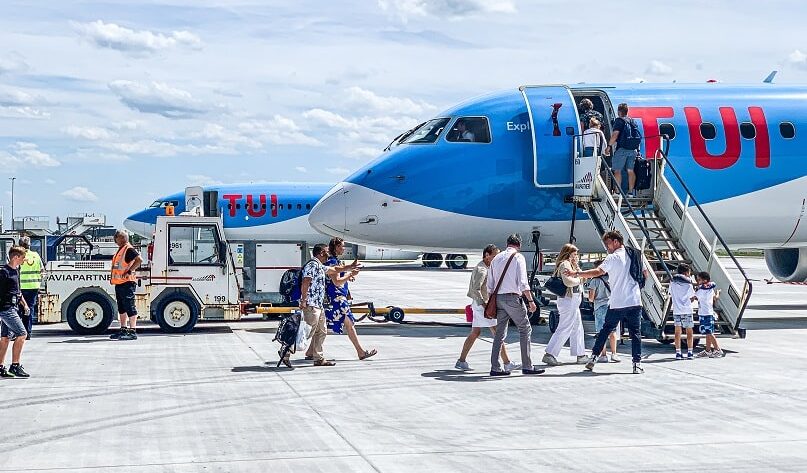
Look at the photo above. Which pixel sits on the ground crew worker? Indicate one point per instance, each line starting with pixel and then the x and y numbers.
pixel 124 264
pixel 11 303
pixel 31 272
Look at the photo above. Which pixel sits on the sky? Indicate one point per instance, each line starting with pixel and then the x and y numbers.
pixel 105 106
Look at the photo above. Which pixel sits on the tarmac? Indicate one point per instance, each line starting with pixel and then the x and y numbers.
pixel 213 400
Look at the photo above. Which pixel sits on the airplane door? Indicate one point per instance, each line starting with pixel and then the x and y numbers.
pixel 554 122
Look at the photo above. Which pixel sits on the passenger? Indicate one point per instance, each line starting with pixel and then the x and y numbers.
pixel 124 264
pixel 593 139
pixel 682 294
pixel 625 304
pixel 478 292
pixel 339 315
pixel 31 272
pixel 587 112
pixel 11 326
pixel 624 157
pixel 570 325
pixel 599 291
pixel 463 134
pixel 513 291
pixel 312 289
pixel 706 296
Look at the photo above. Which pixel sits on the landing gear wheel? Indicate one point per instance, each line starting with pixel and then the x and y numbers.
pixel 432 260
pixel 457 261
pixel 177 313
pixel 554 320
pixel 89 314
pixel 395 314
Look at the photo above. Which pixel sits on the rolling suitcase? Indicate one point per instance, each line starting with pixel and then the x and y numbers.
pixel 644 176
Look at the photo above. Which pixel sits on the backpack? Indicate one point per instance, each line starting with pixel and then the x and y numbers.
pixel 629 136
pixel 290 285
pixel 636 265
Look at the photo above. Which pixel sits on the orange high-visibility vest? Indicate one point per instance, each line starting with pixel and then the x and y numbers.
pixel 119 267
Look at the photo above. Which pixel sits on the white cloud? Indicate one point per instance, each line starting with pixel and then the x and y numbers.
pixel 92 133
pixel 134 42
pixel 278 130
pixel 452 9
pixel 164 149
pixel 79 194
pixel 301 169
pixel 338 171
pixel 368 99
pixel 12 63
pixel 27 154
pixel 14 102
pixel 220 134
pixel 798 59
pixel 202 180
pixel 158 98
pixel 658 68
pixel 50 181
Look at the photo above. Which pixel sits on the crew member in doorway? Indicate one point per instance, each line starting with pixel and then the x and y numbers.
pixel 124 264
pixel 587 112
pixel 463 133
pixel 11 303
pixel 30 280
pixel 340 317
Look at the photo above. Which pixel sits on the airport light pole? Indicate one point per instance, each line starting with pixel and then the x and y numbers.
pixel 12 201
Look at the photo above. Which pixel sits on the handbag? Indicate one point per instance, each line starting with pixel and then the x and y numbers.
pixel 490 307
pixel 555 285
pixel 469 313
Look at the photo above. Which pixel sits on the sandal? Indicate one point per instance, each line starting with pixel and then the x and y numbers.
pixel 368 354
pixel 324 363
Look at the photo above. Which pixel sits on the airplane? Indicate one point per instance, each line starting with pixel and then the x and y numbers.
pixel 738 148
pixel 276 212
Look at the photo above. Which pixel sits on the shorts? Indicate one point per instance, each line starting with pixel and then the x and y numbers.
pixel 11 325
pixel 683 320
pixel 707 324
pixel 599 317
pixel 479 317
pixel 125 297
pixel 623 160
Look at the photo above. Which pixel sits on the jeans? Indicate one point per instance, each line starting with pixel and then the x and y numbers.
pixel 631 317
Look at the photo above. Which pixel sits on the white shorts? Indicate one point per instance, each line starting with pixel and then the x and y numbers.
pixel 479 317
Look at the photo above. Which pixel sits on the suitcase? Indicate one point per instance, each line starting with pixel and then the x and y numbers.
pixel 644 175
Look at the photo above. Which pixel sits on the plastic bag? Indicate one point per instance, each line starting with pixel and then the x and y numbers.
pixel 303 336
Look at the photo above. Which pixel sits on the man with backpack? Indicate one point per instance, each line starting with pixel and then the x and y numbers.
pixel 626 278
pixel 627 138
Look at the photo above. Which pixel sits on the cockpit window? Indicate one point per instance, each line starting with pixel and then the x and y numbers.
pixel 428 132
pixel 163 204
pixel 470 130
pixel 156 205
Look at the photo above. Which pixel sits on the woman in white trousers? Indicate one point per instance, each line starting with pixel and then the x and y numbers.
pixel 570 325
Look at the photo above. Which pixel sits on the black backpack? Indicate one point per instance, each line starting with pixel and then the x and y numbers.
pixel 636 265
pixel 290 285
pixel 629 136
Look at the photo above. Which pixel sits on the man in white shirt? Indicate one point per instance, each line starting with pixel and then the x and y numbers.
pixel 625 304
pixel 513 291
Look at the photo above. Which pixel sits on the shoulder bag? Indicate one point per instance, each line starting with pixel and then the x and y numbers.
pixel 490 307
pixel 555 284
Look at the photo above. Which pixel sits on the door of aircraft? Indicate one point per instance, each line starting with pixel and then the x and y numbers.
pixel 554 123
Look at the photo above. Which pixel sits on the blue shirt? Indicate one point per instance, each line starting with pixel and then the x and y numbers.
pixel 332 289
pixel 316 291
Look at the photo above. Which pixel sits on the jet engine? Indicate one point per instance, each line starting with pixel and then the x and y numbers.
pixel 787 264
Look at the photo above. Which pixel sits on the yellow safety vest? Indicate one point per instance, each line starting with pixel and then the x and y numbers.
pixel 31 271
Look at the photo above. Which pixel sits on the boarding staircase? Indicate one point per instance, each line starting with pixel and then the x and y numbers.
pixel 666 229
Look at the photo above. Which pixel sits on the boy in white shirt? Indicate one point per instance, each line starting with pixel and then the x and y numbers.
pixel 706 296
pixel 682 293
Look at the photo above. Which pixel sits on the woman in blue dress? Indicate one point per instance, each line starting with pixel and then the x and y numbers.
pixel 340 317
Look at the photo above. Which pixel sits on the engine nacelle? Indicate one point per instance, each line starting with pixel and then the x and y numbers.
pixel 787 264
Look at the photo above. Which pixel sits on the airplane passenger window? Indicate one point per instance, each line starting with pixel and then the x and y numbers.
pixel 428 132
pixel 263 206
pixel 667 129
pixel 748 130
pixel 470 129
pixel 308 206
pixel 299 206
pixel 787 130
pixel 708 131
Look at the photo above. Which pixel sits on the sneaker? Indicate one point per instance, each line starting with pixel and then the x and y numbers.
pixel 550 360
pixel 704 354
pixel 679 356
pixel 591 362
pixel 18 372
pixel 717 354
pixel 463 366
pixel 117 335
pixel 512 366
pixel 582 359
pixel 4 373
pixel 615 358
pixel 637 368
pixel 601 359
pixel 689 355
pixel 128 335
pixel 534 370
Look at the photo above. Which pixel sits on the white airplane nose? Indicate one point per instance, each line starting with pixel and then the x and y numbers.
pixel 328 215
pixel 140 228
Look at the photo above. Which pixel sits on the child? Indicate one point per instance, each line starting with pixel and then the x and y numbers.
pixel 706 296
pixel 682 294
